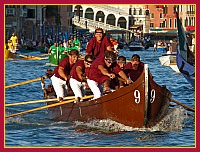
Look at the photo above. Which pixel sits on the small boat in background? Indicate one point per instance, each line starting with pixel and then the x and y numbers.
pixel 161 49
pixel 160 46
pixel 169 60
pixel 136 46
pixel 8 54
pixel 185 58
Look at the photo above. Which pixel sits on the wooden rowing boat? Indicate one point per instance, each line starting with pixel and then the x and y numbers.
pixel 141 104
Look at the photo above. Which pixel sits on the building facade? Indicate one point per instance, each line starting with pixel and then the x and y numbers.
pixel 34 21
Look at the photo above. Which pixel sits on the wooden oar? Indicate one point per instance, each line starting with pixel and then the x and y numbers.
pixel 184 106
pixel 37 101
pixel 25 82
pixel 178 103
pixel 44 107
pixel 26 57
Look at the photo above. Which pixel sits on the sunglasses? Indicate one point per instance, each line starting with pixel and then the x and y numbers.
pixel 109 61
pixel 88 62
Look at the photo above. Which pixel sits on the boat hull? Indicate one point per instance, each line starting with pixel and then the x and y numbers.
pixel 185 60
pixel 8 54
pixel 161 49
pixel 136 48
pixel 187 70
pixel 141 104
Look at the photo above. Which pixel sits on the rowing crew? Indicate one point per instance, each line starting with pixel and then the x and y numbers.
pixel 99 70
pixel 101 74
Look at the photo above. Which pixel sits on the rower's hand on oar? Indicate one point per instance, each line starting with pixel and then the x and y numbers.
pixel 111 75
pixel 128 81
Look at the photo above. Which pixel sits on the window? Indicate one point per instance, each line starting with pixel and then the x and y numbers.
pixel 140 12
pixel 152 15
pixel 181 8
pixel 170 23
pixel 130 11
pixel 31 13
pixel 165 23
pixel 161 15
pixel 10 11
pixel 186 22
pixel 162 24
pixel 165 10
pixel 175 23
pixel 134 11
pixel 151 24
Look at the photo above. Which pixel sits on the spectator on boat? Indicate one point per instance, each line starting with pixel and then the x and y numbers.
pixel 99 44
pixel 114 43
pixel 189 40
pixel 134 68
pixel 172 47
pixel 155 47
pixel 10 45
pixel 53 48
pixel 193 44
pixel 159 43
pixel 61 76
pixel 77 43
pixel 71 47
pixel 78 76
pixel 102 71
pixel 14 40
pixel 65 43
pixel 61 48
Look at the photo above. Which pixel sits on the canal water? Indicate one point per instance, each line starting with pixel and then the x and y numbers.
pixel 37 130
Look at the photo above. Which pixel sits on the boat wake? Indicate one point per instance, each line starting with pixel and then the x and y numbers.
pixel 172 122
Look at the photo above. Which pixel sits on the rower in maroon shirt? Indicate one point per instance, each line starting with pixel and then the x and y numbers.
pixel 102 71
pixel 61 74
pixel 78 76
pixel 134 68
pixel 99 44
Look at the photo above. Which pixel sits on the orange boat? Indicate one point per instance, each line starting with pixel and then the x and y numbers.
pixel 141 104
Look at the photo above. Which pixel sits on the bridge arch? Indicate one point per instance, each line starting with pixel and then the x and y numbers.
pixel 78 10
pixel 100 16
pixel 122 22
pixel 89 13
pixel 111 19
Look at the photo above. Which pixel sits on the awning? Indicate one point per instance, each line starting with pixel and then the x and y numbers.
pixel 135 26
pixel 116 32
pixel 190 28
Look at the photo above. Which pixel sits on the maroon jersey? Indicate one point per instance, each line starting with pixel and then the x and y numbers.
pixel 98 49
pixel 66 65
pixel 133 74
pixel 73 72
pixel 95 74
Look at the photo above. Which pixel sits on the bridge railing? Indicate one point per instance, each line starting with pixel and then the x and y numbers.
pixel 92 25
pixel 112 9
